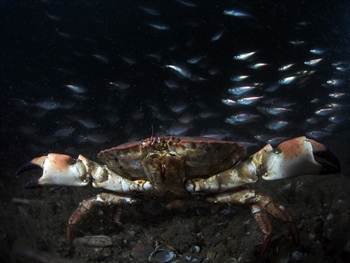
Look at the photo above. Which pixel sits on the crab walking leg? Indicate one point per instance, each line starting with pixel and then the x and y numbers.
pixel 86 205
pixel 264 223
pixel 259 204
pixel 278 211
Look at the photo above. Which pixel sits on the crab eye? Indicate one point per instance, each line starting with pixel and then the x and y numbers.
pixel 277 151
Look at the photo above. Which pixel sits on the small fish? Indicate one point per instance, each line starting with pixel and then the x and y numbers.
pixel 182 71
pixel 257 65
pixel 261 137
pixel 249 100
pixel 129 60
pixel 195 60
pixel 187 3
pixel 286 67
pixel 297 42
pixel 236 13
pixel 313 62
pixel 335 82
pixel 330 127
pixel 277 125
pixel 273 110
pixel 178 129
pixel 53 17
pixel 186 118
pixel 66 132
pixel 337 95
pixel 207 114
pixel 172 84
pixel 101 58
pixel 216 134
pixel 324 112
pixel 312 120
pixel 96 138
pixel 75 88
pixel 229 102
pixel 89 124
pixel 244 56
pixel 276 140
pixel 218 35
pixel 48 105
pixel 337 119
pixel 241 118
pixel 272 88
pixel 241 90
pixel 159 26
pixel 120 84
pixel 287 80
pixel 239 78
pixel 317 134
pixel 247 144
pixel 317 51
pixel 150 11
pixel 179 107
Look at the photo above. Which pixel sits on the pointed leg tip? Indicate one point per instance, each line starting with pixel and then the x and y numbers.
pixel 265 244
pixel 293 230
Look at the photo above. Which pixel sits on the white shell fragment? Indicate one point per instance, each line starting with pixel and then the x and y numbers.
pixel 162 256
pixel 93 241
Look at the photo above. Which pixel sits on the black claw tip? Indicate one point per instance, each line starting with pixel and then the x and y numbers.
pixel 27 167
pixel 330 163
pixel 32 184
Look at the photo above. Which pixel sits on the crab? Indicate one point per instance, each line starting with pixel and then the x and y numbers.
pixel 187 168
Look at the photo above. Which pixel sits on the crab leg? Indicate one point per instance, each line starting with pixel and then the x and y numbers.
pixel 259 205
pixel 86 205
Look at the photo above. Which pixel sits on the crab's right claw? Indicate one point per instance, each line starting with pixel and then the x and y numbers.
pixel 299 156
pixel 58 169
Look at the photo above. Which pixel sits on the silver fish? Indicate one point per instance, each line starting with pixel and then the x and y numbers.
pixel 249 100
pixel 75 88
pixel 229 102
pixel 287 80
pixel 277 125
pixel 159 26
pixel 182 71
pixel 244 56
pixel 241 90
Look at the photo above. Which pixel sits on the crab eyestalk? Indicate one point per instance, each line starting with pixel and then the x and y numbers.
pixel 299 156
pixel 58 169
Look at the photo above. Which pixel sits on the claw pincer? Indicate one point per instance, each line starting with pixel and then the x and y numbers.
pixel 58 169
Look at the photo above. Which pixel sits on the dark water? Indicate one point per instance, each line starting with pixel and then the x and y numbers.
pixel 81 76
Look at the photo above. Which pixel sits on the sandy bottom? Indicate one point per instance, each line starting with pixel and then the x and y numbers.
pixel 33 225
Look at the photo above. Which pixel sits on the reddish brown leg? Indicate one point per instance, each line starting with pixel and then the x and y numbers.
pixel 264 223
pixel 86 205
pixel 281 214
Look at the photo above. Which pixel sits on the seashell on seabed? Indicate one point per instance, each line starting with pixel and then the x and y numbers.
pixel 162 256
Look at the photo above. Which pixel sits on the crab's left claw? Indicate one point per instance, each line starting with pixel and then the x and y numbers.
pixel 58 169
pixel 299 156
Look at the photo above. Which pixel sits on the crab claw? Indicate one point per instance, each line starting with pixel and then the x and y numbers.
pixel 58 169
pixel 299 156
